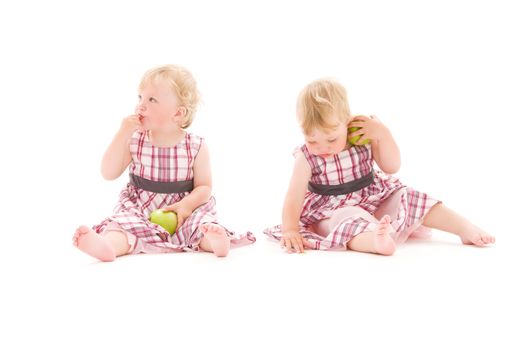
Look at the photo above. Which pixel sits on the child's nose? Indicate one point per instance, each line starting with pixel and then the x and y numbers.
pixel 324 148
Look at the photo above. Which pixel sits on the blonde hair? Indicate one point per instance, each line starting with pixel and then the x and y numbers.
pixel 319 103
pixel 181 82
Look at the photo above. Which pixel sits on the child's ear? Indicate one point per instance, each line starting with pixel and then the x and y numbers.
pixel 181 112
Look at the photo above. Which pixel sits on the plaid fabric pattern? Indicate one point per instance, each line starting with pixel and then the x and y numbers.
pixel 386 195
pixel 164 164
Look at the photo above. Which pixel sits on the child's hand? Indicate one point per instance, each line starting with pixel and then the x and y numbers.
pixel 292 241
pixel 371 128
pixel 130 124
pixel 182 213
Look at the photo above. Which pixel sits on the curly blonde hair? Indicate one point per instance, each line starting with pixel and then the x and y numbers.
pixel 181 82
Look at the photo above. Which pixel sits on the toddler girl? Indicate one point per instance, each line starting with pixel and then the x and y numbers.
pixel 169 169
pixel 337 199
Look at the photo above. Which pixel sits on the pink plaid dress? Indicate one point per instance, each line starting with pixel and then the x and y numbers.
pixel 385 195
pixel 165 165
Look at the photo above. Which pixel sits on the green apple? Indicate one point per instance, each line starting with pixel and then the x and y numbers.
pixel 353 140
pixel 166 219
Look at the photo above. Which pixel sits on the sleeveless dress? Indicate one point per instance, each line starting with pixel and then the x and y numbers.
pixel 385 195
pixel 162 165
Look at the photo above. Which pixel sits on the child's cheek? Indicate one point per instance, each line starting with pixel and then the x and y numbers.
pixel 312 149
pixel 341 145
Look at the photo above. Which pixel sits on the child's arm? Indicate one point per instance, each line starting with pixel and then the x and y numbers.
pixel 117 157
pixel 293 205
pixel 202 187
pixel 385 150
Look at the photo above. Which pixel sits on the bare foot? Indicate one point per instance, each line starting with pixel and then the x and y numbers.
pixel 384 243
pixel 217 239
pixel 474 235
pixel 93 244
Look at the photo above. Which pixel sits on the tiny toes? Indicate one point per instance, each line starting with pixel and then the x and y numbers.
pixel 81 230
pixel 209 227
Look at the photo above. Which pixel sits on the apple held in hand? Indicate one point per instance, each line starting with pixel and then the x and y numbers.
pixel 353 140
pixel 166 219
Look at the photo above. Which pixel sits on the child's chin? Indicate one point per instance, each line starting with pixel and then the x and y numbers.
pixel 328 155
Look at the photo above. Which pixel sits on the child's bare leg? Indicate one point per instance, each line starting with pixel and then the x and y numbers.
pixel 378 241
pixel 104 247
pixel 118 240
pixel 442 218
pixel 215 239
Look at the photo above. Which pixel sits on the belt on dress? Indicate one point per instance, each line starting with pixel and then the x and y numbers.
pixel 161 187
pixel 345 188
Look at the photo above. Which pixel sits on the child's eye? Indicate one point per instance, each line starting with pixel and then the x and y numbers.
pixel 333 140
pixel 139 97
pixel 152 99
pixel 311 142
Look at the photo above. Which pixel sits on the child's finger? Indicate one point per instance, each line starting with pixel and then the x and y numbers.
pixel 357 133
pixel 361 140
pixel 300 246
pixel 288 245
pixel 295 244
pixel 356 123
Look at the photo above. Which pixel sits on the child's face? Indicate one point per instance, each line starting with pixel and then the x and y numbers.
pixel 158 107
pixel 325 143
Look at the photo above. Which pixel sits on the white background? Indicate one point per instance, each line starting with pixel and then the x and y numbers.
pixel 442 75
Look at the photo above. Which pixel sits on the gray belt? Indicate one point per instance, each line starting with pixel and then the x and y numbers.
pixel 345 188
pixel 161 187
